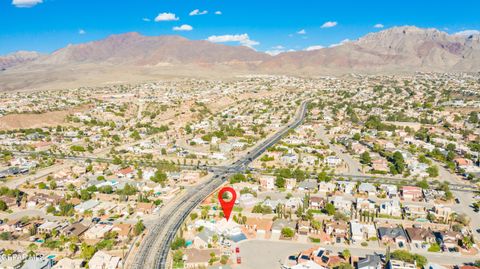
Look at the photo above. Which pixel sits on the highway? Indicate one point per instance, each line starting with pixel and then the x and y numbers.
pixel 154 249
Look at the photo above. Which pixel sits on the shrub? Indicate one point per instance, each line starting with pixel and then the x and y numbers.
pixel 287 232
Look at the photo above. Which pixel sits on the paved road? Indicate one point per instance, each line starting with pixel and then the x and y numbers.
pixel 31 213
pixel 154 250
pixel 466 200
pixel 17 182
pixel 353 166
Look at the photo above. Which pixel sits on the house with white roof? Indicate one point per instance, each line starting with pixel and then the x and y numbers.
pixel 391 208
pixel 342 204
pixel 367 188
pixel 102 260
pixel 362 231
pixel 87 205
pixel 347 187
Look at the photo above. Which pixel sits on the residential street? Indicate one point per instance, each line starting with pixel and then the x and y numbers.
pixel 353 166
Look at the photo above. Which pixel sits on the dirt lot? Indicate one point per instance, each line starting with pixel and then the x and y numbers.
pixel 54 118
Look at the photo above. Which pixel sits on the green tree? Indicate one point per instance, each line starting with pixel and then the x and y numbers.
pixel 432 171
pixel 3 206
pixel 178 259
pixel 423 184
pixel 473 117
pixel 159 177
pixel 42 185
pixel 398 162
pixel 406 256
pixel 135 135
pixel 346 254
pixel 73 248
pixel 280 182
pixel 237 178
pixel 87 251
pixel 323 176
pixel 139 228
pixel 330 209
pixel 365 158
pixel 178 243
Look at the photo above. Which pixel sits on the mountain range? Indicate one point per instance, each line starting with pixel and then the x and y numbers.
pixel 135 57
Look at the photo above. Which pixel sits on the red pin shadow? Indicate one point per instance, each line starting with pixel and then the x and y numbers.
pixel 227 206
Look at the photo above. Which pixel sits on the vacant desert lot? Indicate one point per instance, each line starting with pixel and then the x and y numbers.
pixel 47 119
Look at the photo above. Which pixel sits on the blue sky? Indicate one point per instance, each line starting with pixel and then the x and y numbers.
pixel 46 25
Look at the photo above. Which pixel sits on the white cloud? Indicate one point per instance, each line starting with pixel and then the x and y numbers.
pixel 315 47
pixel 166 17
pixel 468 32
pixel 218 12
pixel 146 19
pixel 378 25
pixel 329 24
pixel 81 32
pixel 243 39
pixel 341 43
pixel 197 12
pixel 274 52
pixel 277 50
pixel 302 32
pixel 26 3
pixel 183 27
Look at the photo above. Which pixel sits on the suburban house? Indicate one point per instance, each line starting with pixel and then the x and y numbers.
pixel 198 258
pixel 290 183
pixel 370 262
pixel 260 225
pixel 316 202
pixel 203 239
pixel 450 238
pixel 392 235
pixel 391 208
pixel 412 193
pixel 279 224
pixel 326 187
pixel 102 260
pixel 337 229
pixel 127 172
pixel 362 231
pixel 145 208
pixel 97 231
pixel 346 187
pixel 419 236
pixel 342 204
pixel 267 182
pixel 396 264
pixel 75 229
pixel 367 188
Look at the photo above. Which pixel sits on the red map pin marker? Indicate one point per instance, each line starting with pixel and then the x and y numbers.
pixel 227 206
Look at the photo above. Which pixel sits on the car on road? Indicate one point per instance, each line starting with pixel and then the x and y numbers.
pixel 457 201
pixel 478 231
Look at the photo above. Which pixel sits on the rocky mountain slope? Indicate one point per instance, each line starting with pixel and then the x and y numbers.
pixel 135 49
pixel 19 57
pixel 400 49
pixel 133 57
